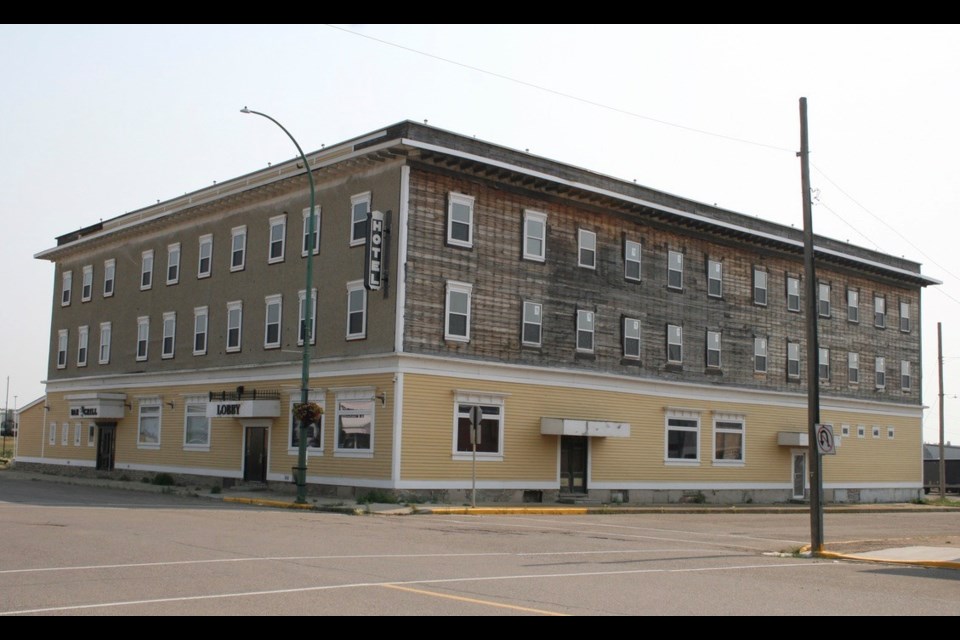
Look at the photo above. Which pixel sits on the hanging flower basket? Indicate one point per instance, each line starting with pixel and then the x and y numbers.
pixel 309 412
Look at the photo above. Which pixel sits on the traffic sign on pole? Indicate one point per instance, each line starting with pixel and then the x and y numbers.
pixel 825 442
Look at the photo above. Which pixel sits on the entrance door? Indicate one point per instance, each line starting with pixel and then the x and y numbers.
pixel 255 455
pixel 573 464
pixel 799 474
pixel 106 445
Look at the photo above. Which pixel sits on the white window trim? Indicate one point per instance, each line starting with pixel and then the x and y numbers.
pixel 821 352
pixel 844 431
pixel 143 321
pixel 63 344
pixel 201 402
pixel 715 275
pixel 627 245
pixel 277 300
pixel 718 349
pixel 313 395
pixel 201 312
pixel 670 341
pixel 587 315
pixel 354 287
pixel 880 367
pixel 681 415
pixel 462 288
pixel 86 284
pixel 627 322
pixel 149 404
pixel 66 288
pixel 238 232
pixel 890 433
pixel 83 345
pixel 760 344
pixel 875 431
pixel 724 462
pixel 360 198
pixel 466 201
pixel 355 394
pixel 77 431
pixel 671 255
pixel 582 236
pixel 853 310
pixel 904 316
pixel 488 400
pixel 301 296
pixel 905 373
pixel 758 276
pixel 850 362
pixel 797 360
pixel 795 296
pixel 106 329
pixel 880 312
pixel 539 323
pixel 109 276
pixel 204 241
pixel 146 273
pixel 173 250
pixel 275 222
pixel 306 231
pixel 861 431
pixel 529 215
pixel 52 434
pixel 235 305
pixel 91 434
pixel 65 434
pixel 821 288
pixel 168 316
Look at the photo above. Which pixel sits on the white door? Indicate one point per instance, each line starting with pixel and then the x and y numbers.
pixel 799 474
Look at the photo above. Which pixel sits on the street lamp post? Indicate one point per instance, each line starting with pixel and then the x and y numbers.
pixel 308 324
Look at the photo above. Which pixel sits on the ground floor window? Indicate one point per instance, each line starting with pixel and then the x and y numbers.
pixel 148 431
pixel 196 426
pixel 728 434
pixel 682 436
pixel 355 422
pixel 314 429
pixel 489 432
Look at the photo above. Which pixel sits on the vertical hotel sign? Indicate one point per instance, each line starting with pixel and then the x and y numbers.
pixel 374 272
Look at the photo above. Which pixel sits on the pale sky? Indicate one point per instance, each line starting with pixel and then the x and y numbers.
pixel 96 121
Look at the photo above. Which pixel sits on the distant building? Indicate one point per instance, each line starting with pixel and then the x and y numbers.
pixel 951 467
pixel 623 344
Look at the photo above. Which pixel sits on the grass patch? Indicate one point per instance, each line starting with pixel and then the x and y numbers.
pixel 382 497
pixel 163 480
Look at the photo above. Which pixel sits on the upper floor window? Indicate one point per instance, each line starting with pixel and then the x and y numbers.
pixel 631 338
pixel 86 290
pixel 760 355
pixel 460 220
pixel 109 276
pixel 359 210
pixel 880 372
pixel 532 331
pixel 760 287
pixel 146 269
pixel 278 239
pixel 173 263
pixel 238 248
pixel 823 300
pixel 457 325
pixel 205 260
pixel 905 375
pixel 83 338
pixel 853 367
pixel 534 235
pixel 143 337
pixel 714 278
pixel 272 316
pixel 200 324
pixel 302 319
pixel 356 310
pixel 905 316
pixel 105 337
pixel 631 260
pixel 587 249
pixel 713 349
pixel 879 312
pixel 823 364
pixel 675 270
pixel 66 288
pixel 585 330
pixel 169 334
pixel 853 305
pixel 234 325
pixel 793 359
pixel 674 343
pixel 793 294
pixel 307 240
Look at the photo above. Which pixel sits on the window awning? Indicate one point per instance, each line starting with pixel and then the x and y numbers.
pixel 579 427
pixel 97 406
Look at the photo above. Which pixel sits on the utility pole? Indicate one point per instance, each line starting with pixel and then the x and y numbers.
pixel 813 374
pixel 943 466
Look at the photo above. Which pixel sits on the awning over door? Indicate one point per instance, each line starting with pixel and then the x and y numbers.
pixel 793 439
pixel 97 406
pixel 578 427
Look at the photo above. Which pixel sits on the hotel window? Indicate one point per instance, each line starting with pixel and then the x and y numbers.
pixel 713 349
pixel 169 334
pixel 534 235
pixel 238 248
pixel 61 348
pixel 489 444
pixel 714 278
pixel 314 429
pixel 77 433
pixel 301 319
pixel 728 433
pixel 460 220
pixel 793 359
pixel 823 364
pixel 143 337
pixel 271 330
pixel 880 372
pixel 66 288
pixel 585 330
pixel 53 433
pixel 631 260
pixel 278 239
pixel 173 263
pixel 65 434
pixel 146 269
pixel 905 317
pixel 457 325
pixel 760 355
pixel 587 249
pixel 876 432
pixel 879 312
pixel 306 231
pixel 793 294
pixel 675 270
pixel 359 210
pixel 91 434
pixel 682 438
pixel 905 375
pixel 148 432
pixel 890 433
pixel 86 290
pixel 532 324
pixel 105 337
pixel 83 339
pixel 674 343
pixel 861 431
pixel 853 305
pixel 845 430
pixel 234 325
pixel 853 367
pixel 823 300
pixel 196 424
pixel 109 276
pixel 355 421
pixel 631 338
pixel 205 261
pixel 760 287
pixel 356 310
pixel 200 323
